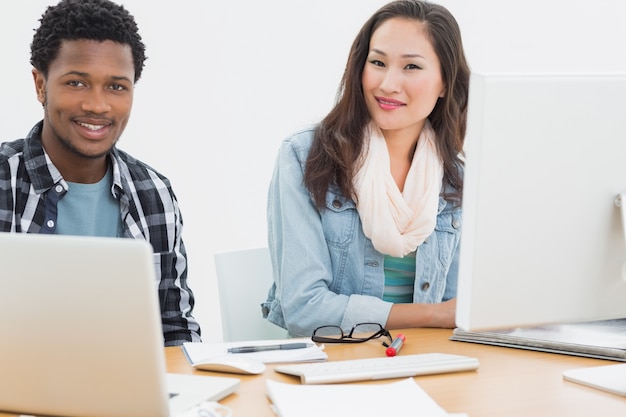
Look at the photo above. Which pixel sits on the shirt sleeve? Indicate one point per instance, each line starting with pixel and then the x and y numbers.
pixel 150 211
pixel 175 296
pixel 307 294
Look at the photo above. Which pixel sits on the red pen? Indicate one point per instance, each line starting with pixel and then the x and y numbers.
pixel 396 345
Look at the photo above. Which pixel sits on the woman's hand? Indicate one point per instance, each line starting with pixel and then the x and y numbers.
pixel 442 315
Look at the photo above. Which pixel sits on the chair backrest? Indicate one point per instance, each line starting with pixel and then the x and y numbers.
pixel 243 278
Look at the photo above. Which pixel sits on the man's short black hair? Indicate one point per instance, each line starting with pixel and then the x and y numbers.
pixel 98 20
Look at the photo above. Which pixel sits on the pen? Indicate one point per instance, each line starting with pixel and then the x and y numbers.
pixel 284 346
pixel 395 346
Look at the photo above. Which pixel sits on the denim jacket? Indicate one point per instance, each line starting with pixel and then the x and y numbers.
pixel 326 271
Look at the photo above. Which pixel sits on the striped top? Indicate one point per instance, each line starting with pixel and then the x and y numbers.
pixel 399 278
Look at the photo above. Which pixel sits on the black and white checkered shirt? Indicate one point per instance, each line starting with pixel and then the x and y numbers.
pixel 31 186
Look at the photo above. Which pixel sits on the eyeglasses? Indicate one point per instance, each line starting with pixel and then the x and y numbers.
pixel 361 332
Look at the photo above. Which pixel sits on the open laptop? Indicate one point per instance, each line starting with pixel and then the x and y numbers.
pixel 80 332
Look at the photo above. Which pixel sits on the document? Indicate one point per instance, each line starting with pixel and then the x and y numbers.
pixel 402 397
pixel 604 339
pixel 197 352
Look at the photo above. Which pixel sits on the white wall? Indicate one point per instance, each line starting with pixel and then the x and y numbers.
pixel 225 82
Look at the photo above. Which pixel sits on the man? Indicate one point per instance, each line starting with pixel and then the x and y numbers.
pixel 68 177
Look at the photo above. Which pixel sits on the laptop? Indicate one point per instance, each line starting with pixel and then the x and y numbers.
pixel 80 332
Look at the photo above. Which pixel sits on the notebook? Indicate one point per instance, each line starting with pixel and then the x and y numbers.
pixel 80 332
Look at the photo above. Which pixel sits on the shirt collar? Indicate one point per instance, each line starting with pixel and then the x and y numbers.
pixel 44 175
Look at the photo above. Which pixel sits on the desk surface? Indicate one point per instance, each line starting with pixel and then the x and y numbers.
pixel 509 382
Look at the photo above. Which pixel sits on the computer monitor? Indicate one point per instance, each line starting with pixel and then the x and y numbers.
pixel 543 236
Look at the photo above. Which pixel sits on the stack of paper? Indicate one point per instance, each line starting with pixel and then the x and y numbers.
pixel 363 400
pixel 198 352
pixel 604 339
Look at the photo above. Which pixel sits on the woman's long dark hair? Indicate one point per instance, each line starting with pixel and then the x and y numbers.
pixel 339 138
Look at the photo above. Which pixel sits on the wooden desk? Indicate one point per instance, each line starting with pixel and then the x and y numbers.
pixel 508 383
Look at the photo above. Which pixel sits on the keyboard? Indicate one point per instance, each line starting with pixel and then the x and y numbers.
pixel 378 368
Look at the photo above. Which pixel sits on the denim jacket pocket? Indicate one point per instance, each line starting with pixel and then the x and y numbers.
pixel 339 219
pixel 448 231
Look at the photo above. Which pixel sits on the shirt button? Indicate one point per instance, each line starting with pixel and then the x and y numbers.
pixel 336 204
pixel 58 188
pixel 50 223
pixel 425 286
pixel 456 224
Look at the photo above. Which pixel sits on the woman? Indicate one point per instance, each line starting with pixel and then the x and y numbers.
pixel 364 209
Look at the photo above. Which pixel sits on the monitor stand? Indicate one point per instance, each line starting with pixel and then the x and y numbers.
pixel 620 201
pixel 610 378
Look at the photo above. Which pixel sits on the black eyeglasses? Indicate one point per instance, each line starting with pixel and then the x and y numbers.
pixel 361 332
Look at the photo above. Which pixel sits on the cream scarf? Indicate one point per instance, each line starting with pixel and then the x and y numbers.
pixel 398 222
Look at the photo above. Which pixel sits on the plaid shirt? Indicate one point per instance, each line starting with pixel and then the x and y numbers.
pixel 31 186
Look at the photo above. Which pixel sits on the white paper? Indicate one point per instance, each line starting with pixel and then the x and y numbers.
pixel 402 397
pixel 197 352
pixel 610 378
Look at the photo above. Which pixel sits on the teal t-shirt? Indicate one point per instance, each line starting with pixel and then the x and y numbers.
pixel 90 210
pixel 399 278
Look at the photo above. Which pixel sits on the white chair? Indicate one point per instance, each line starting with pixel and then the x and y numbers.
pixel 243 279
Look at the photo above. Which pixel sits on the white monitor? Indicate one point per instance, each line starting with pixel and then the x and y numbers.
pixel 543 238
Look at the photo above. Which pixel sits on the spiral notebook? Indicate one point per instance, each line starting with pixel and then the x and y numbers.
pixel 197 352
